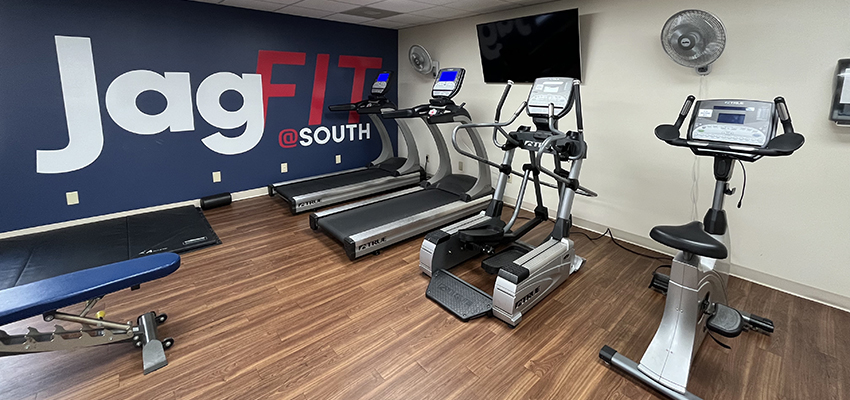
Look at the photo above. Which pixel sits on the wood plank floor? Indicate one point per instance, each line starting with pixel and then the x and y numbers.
pixel 278 311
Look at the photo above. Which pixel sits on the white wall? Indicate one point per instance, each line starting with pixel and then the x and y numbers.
pixel 792 232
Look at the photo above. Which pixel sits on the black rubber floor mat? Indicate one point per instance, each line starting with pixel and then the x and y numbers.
pixel 31 258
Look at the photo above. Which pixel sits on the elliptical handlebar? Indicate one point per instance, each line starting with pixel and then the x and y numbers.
pixel 781 145
pixel 548 142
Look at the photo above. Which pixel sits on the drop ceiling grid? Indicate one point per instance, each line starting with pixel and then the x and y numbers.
pixel 410 12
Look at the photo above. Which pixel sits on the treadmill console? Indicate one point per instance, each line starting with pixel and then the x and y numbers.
pixel 382 83
pixel 737 122
pixel 448 82
pixel 545 91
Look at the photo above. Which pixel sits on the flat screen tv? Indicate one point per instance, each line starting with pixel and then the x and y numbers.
pixel 525 48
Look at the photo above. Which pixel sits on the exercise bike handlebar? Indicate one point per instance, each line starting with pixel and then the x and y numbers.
pixel 781 145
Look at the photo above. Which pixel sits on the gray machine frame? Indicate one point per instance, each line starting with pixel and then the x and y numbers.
pixel 696 286
pixel 372 240
pixel 548 265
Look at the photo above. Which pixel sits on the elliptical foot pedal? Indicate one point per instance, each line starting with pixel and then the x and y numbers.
pixel 726 321
pixel 502 259
pixel 458 297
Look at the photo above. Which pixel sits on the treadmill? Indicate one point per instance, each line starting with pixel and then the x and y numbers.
pixel 385 173
pixel 367 226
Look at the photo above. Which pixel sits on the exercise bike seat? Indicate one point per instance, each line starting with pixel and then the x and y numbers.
pixel 689 238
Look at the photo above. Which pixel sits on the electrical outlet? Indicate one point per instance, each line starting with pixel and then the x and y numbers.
pixel 460 165
pixel 216 176
pixel 338 158
pixel 72 198
pixel 284 168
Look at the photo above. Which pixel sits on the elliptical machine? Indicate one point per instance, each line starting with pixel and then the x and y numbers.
pixel 726 130
pixel 525 274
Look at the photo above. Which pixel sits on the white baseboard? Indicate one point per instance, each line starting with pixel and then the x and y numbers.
pixel 245 194
pixel 774 282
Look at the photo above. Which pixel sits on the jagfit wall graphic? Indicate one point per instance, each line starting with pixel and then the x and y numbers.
pixel 135 104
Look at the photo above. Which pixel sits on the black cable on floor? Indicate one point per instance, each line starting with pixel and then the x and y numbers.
pixel 611 235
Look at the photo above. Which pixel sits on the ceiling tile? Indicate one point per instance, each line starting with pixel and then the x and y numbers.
pixel 400 5
pixel 437 2
pixel 480 6
pixel 407 19
pixel 359 2
pixel 441 12
pixel 380 23
pixel 304 12
pixel 282 2
pixel 253 4
pixel 326 5
pixel 352 19
pixel 209 1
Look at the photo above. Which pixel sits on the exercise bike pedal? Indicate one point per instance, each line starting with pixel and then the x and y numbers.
pixel 725 321
pixel 458 297
pixel 758 324
pixel 660 282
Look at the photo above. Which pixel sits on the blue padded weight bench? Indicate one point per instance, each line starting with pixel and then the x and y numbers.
pixel 48 295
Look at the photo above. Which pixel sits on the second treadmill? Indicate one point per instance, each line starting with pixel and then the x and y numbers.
pixel 370 225
pixel 383 174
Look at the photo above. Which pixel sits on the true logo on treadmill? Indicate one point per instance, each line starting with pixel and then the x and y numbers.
pixel 527 297
pixel 309 203
pixel 367 245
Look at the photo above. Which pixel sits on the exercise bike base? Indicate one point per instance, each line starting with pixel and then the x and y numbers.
pixel 630 367
pixel 458 297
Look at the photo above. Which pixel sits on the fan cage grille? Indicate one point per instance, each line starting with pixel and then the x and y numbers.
pixel 705 31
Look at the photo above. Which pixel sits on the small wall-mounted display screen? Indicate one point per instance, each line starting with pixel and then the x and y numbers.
pixel 448 76
pixel 383 77
pixel 730 118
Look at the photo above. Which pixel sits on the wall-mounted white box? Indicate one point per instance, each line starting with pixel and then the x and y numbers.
pixel 72 198
pixel 216 176
pixel 284 168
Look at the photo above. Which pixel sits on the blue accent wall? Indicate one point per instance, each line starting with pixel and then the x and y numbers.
pixel 141 170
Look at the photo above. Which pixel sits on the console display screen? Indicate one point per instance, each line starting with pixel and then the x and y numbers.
pixel 730 118
pixel 383 77
pixel 448 76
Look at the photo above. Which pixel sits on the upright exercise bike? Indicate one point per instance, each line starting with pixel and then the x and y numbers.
pixel 727 130
pixel 525 274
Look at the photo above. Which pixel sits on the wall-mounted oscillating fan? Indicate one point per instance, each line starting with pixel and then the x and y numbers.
pixel 694 38
pixel 422 61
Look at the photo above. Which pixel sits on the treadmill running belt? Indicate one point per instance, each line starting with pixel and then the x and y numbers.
pixel 373 215
pixel 30 258
pixel 330 182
